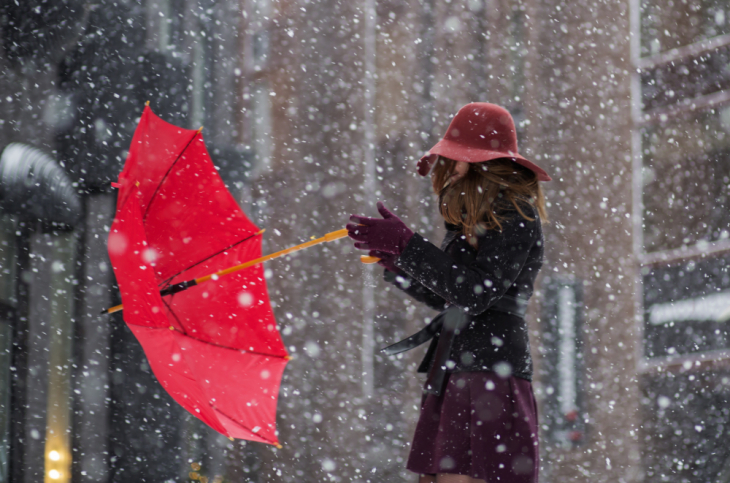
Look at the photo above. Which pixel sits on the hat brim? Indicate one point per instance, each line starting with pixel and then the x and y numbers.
pixel 459 152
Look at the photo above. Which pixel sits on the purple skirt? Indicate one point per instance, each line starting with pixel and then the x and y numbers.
pixel 481 426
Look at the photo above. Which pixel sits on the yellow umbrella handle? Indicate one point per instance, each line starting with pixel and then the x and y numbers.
pixel 332 236
pixel 368 260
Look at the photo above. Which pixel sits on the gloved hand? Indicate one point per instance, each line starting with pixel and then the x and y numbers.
pixel 387 261
pixel 388 235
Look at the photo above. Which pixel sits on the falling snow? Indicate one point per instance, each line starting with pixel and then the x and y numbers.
pixel 313 110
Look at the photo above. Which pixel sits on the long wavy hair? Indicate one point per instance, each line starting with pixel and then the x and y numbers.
pixel 480 200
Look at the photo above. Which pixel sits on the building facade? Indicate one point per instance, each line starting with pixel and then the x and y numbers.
pixel 681 174
pixel 79 401
pixel 622 103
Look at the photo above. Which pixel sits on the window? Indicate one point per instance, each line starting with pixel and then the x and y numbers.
pixel 682 144
pixel 686 307
pixel 8 285
pixel 685 178
pixel 6 336
pixel 261 123
pixel 259 18
pixel 53 265
pixel 563 360
pixel 7 261
pixel 669 24
pixel 682 182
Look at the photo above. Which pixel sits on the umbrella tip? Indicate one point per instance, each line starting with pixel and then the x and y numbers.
pixel 278 446
pixel 260 232
pixel 200 130
pixel 231 438
pixel 147 103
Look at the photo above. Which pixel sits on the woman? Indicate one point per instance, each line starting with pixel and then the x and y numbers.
pixel 478 420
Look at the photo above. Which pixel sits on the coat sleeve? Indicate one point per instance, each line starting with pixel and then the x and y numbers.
pixel 479 284
pixel 415 290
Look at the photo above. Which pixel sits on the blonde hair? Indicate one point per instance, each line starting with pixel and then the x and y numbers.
pixel 479 199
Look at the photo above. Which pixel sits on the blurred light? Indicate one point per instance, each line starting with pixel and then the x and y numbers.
pixel 150 256
pixel 54 455
pixel 117 243
pixel 54 474
pixel 245 299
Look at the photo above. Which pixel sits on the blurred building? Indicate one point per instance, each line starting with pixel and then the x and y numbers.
pixel 624 103
pixel 681 122
pixel 78 401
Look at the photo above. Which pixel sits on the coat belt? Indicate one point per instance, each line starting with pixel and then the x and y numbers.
pixel 446 325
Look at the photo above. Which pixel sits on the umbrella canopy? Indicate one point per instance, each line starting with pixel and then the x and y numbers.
pixel 215 347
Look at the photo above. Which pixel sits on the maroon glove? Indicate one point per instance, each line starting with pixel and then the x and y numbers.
pixel 387 261
pixel 387 235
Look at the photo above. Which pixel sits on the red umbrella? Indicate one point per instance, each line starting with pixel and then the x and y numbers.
pixel 215 348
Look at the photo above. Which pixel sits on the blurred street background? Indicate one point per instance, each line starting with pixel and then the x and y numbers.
pixel 314 110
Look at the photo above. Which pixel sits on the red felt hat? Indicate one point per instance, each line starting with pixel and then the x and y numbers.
pixel 479 132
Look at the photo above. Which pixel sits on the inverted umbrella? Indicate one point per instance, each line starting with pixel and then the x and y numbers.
pixel 215 347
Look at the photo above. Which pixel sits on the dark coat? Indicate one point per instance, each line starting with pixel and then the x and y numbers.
pixel 484 283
